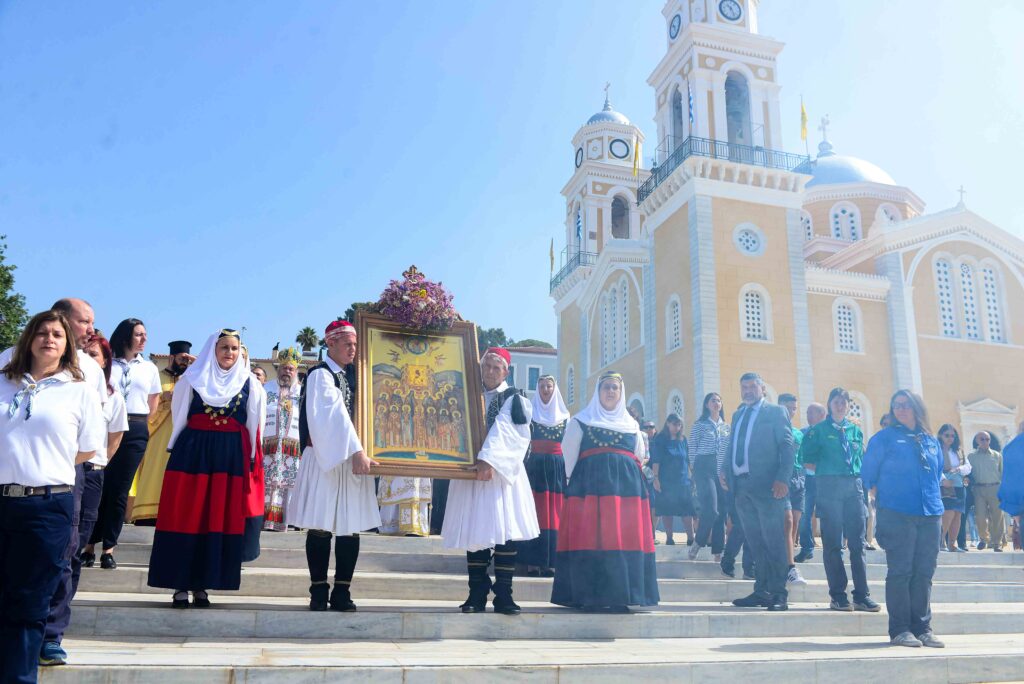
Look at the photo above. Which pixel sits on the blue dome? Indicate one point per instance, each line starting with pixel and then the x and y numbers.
pixel 833 169
pixel 608 115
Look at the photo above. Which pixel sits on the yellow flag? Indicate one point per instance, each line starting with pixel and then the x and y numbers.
pixel 636 156
pixel 552 255
pixel 803 120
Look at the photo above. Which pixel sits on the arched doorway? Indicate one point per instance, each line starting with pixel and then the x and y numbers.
pixel 737 109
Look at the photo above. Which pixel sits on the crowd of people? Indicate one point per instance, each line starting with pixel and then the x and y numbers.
pixel 215 454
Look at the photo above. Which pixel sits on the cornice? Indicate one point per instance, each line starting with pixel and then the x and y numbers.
pixel 847 191
pixel 829 281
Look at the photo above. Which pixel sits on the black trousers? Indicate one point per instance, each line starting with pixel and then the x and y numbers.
pixel 764 524
pixel 711 529
pixel 117 482
pixel 34 534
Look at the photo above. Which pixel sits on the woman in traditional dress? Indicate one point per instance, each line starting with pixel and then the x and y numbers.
pixel 546 468
pixel 670 461
pixel 211 504
pixel 605 542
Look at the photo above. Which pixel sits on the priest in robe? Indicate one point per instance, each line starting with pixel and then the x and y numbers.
pixel 281 454
pixel 333 496
pixel 487 515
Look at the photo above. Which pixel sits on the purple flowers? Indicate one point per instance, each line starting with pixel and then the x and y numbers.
pixel 418 303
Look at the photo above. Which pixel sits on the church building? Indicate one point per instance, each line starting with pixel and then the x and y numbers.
pixel 731 255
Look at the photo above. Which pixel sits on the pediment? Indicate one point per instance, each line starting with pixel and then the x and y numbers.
pixel 987 406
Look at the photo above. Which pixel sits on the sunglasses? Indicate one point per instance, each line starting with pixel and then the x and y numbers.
pixel 901 406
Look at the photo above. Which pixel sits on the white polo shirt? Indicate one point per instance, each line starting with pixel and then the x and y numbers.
pixel 40 450
pixel 143 379
pixel 90 369
pixel 115 418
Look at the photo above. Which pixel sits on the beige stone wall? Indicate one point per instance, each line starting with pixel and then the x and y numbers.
pixel 868 207
pixel 569 351
pixel 672 274
pixel 775 360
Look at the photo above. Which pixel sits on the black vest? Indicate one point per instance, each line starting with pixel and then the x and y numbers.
pixel 344 380
pixel 518 415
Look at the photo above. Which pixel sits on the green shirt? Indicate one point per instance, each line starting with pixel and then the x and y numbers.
pixel 822 447
pixel 798 461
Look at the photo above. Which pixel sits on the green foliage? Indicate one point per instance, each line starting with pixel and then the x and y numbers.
pixel 350 312
pixel 13 315
pixel 491 337
pixel 530 342
pixel 307 338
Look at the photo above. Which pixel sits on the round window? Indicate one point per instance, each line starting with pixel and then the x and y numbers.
pixel 749 239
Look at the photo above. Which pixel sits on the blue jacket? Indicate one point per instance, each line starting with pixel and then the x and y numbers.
pixel 1011 491
pixel 893 464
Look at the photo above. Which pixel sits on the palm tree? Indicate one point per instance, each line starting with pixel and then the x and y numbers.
pixel 307 338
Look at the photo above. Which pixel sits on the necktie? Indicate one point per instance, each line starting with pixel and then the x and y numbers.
pixel 741 437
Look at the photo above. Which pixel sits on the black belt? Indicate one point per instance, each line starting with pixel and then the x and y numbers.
pixel 137 417
pixel 17 491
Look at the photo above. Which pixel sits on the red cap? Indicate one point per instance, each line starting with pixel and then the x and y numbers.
pixel 503 353
pixel 335 328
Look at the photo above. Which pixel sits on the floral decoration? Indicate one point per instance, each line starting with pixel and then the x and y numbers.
pixel 416 302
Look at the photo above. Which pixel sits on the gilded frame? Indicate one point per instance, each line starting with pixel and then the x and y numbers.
pixel 429 383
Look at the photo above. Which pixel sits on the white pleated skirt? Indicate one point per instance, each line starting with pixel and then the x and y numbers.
pixel 480 515
pixel 335 501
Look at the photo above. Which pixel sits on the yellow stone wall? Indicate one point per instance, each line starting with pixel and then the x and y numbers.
pixel 569 352
pixel 672 276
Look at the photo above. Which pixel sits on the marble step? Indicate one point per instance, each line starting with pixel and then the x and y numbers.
pixel 295 582
pixel 433 546
pixel 145 615
pixel 394 560
pixel 829 660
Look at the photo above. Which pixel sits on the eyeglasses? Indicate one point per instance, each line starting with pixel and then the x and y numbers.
pixel 901 406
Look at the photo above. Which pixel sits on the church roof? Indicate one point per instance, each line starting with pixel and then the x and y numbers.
pixel 832 169
pixel 608 115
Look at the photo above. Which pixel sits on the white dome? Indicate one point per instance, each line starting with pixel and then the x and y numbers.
pixel 608 115
pixel 833 169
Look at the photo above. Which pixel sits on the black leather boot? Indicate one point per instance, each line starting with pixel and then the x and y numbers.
pixel 504 567
pixel 479 581
pixel 318 596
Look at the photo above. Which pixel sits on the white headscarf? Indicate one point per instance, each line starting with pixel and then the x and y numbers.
pixel 551 413
pixel 617 419
pixel 215 385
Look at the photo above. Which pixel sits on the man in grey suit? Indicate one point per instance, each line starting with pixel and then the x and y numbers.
pixel 756 469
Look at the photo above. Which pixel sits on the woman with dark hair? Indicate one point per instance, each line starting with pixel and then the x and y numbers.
pixel 49 422
pixel 138 381
pixel 834 450
pixel 707 438
pixel 955 470
pixel 211 503
pixel 670 461
pixel 904 462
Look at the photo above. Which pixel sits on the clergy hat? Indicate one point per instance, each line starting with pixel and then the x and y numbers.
pixel 500 353
pixel 179 347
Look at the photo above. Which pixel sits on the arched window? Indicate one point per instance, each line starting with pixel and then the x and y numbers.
pixel 845 222
pixel 737 109
pixel 620 218
pixel 846 321
pixel 637 403
pixel 675 404
pixel 755 314
pixel 570 385
pixel 969 299
pixel 807 224
pixel 613 323
pixel 860 413
pixel 944 290
pixel 888 213
pixel 624 293
pixel 676 133
pixel 993 303
pixel 673 325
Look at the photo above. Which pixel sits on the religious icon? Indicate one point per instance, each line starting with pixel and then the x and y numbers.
pixel 421 411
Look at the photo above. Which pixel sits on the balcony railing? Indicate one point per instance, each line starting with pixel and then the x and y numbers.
pixel 717 149
pixel 575 260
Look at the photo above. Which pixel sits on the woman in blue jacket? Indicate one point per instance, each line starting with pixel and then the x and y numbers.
pixel 904 462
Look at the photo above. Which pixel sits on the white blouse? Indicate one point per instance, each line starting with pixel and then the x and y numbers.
pixel 115 419
pixel 40 450
pixel 143 379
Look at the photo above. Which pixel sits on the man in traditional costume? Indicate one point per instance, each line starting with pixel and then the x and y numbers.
pixel 281 439
pixel 545 467
pixel 486 514
pixel 150 476
pixel 333 497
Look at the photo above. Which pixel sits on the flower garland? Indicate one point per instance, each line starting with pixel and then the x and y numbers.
pixel 416 302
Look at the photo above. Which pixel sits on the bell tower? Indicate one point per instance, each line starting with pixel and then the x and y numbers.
pixel 718 78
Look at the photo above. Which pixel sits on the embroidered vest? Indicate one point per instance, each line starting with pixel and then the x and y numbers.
pixel 344 380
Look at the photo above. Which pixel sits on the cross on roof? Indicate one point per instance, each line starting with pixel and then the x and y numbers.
pixel 962 193
pixel 824 127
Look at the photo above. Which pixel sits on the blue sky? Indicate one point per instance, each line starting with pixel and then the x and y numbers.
pixel 264 164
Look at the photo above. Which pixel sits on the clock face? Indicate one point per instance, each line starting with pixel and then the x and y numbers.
pixel 730 9
pixel 673 28
pixel 579 157
pixel 619 148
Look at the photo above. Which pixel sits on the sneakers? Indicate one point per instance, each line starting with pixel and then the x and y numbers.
pixel 842 604
pixel 804 555
pixel 729 571
pixel 694 552
pixel 905 639
pixel 794 577
pixel 752 601
pixel 981 546
pixel 52 654
pixel 928 639
pixel 866 605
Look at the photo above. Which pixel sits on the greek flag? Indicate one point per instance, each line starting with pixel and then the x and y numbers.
pixel 689 99
pixel 579 226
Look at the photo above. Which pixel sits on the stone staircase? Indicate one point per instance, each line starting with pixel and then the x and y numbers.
pixel 409 629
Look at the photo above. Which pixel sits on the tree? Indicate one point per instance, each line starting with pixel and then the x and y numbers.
pixel 350 312
pixel 530 342
pixel 307 338
pixel 490 337
pixel 13 315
